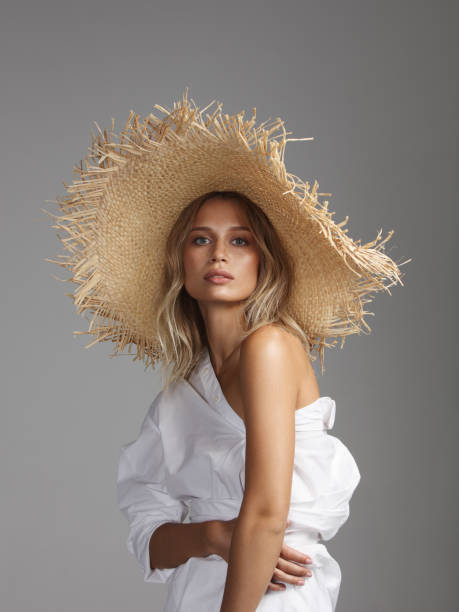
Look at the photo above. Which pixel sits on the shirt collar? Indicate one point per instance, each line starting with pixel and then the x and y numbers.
pixel 206 383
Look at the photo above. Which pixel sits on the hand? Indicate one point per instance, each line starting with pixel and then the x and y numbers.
pixel 287 570
pixel 220 534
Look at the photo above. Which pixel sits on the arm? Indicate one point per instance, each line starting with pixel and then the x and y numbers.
pixel 269 390
pixel 153 514
pixel 173 544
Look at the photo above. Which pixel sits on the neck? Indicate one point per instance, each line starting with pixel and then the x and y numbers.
pixel 224 332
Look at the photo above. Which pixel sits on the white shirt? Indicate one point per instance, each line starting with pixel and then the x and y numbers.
pixel 189 458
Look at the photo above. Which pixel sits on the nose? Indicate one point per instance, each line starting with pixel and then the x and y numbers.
pixel 219 253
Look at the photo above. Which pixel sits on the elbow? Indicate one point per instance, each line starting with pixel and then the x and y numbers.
pixel 265 510
pixel 274 522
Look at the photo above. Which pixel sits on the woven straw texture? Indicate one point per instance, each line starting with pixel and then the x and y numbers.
pixel 128 191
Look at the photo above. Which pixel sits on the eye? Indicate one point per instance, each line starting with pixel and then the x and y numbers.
pixel 198 238
pixel 243 240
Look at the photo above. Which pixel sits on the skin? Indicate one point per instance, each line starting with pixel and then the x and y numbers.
pixel 264 378
pixel 236 252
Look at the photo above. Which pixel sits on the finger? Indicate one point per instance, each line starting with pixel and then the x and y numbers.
pixel 292 554
pixel 276 586
pixel 289 578
pixel 290 572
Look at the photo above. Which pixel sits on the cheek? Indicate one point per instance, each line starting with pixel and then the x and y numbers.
pixel 193 263
pixel 255 258
pixel 251 262
pixel 189 259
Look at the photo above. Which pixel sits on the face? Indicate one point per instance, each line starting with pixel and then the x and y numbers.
pixel 220 239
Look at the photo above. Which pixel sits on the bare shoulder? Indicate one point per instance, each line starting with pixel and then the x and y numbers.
pixel 272 348
pixel 276 341
pixel 267 339
pixel 267 354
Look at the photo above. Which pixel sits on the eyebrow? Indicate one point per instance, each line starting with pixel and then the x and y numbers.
pixel 209 229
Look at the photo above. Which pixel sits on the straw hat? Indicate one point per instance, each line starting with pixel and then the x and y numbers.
pixel 126 196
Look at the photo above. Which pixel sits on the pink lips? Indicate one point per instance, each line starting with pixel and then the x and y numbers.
pixel 218 280
pixel 218 277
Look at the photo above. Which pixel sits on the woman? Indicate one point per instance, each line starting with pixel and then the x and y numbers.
pixel 233 295
pixel 233 263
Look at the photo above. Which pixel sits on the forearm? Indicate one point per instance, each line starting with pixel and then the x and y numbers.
pixel 254 552
pixel 174 543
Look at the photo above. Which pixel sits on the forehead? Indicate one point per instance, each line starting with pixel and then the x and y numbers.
pixel 219 211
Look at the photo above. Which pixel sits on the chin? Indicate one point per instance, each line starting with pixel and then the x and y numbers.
pixel 212 296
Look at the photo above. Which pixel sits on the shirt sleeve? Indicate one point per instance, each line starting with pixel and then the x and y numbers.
pixel 143 497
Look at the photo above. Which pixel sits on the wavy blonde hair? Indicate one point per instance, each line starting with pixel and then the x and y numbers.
pixel 180 327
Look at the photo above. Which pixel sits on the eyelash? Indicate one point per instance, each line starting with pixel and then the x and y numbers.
pixel 237 238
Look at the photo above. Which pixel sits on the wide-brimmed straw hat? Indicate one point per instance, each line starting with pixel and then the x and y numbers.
pixel 127 194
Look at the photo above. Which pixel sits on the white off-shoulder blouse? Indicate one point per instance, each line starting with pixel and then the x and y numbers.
pixel 189 459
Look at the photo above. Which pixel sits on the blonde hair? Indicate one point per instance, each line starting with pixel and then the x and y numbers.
pixel 180 327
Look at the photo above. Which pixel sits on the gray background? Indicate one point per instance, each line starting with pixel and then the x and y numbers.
pixel 375 83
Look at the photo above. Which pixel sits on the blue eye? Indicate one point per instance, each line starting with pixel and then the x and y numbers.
pixel 246 242
pixel 243 240
pixel 198 238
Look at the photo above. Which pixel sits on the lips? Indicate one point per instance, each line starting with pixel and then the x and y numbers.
pixel 217 273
